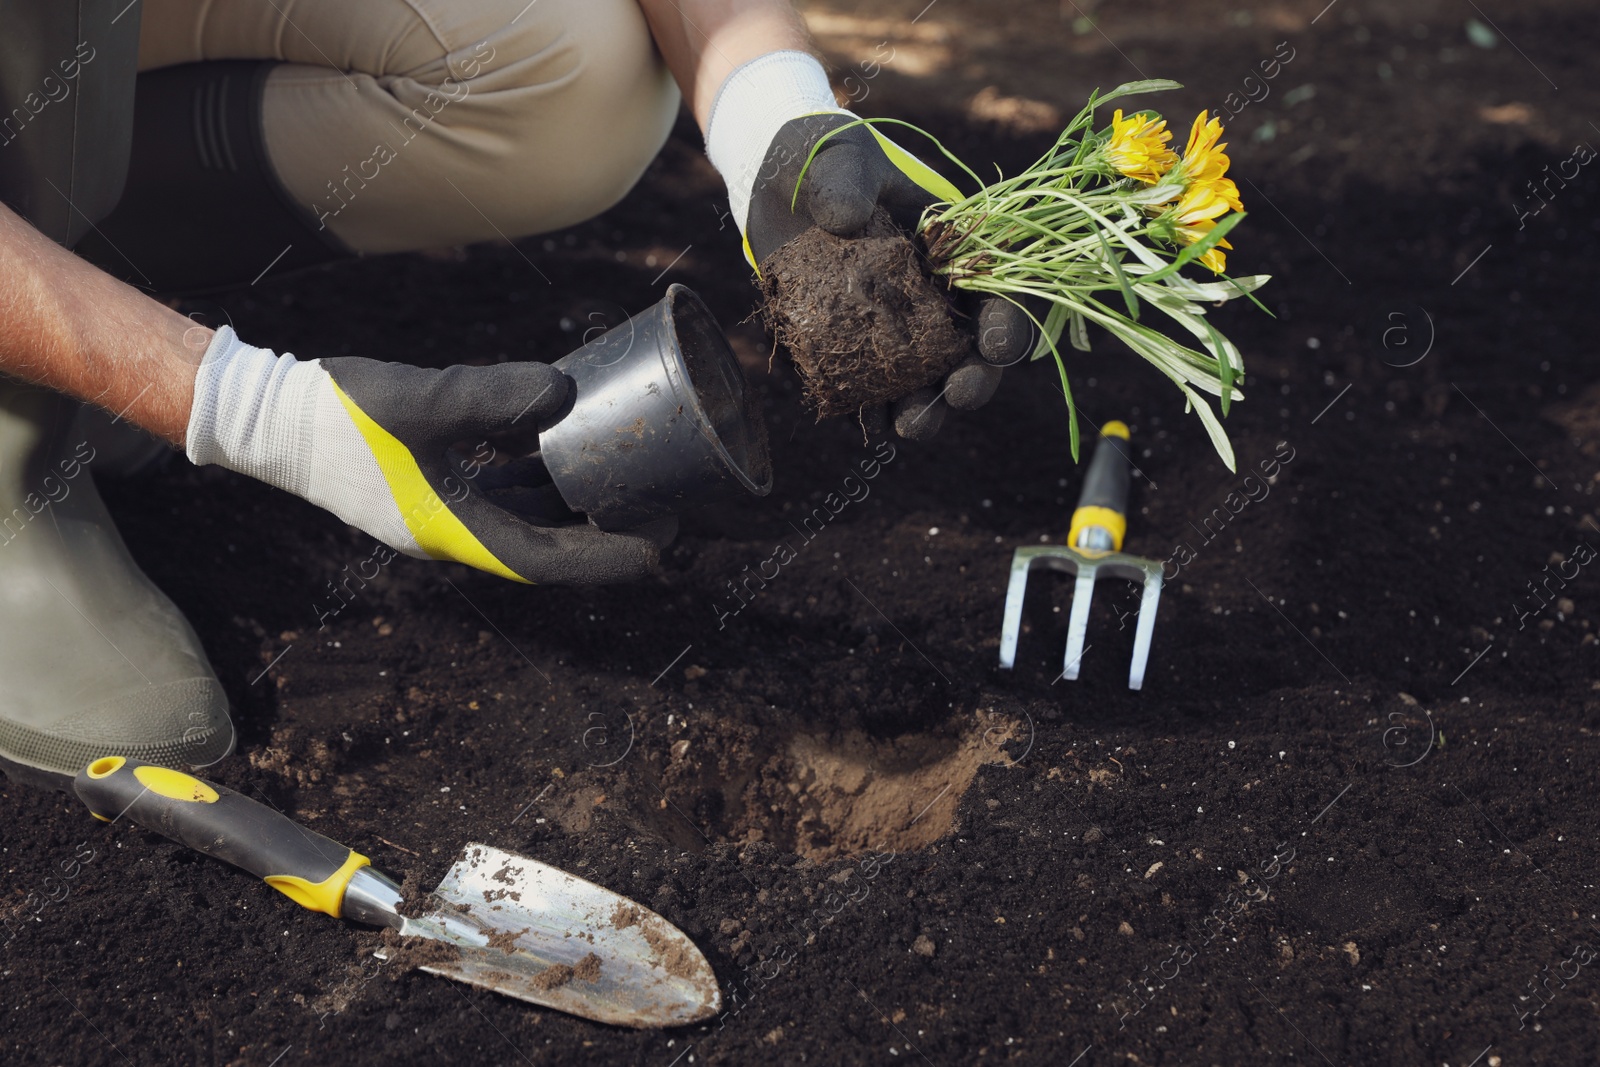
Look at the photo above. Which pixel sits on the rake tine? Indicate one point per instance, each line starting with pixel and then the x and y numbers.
pixel 1012 626
pixel 1078 625
pixel 1146 629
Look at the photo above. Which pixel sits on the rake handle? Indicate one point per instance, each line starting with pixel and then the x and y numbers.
pixel 1100 520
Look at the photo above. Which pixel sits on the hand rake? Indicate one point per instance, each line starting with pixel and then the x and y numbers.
pixel 1093 550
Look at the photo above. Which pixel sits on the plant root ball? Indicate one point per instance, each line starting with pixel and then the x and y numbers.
pixel 863 321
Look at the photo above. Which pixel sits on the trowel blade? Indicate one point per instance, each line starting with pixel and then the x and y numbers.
pixel 539 934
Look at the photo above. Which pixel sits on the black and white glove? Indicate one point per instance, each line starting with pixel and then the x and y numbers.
pixel 373 443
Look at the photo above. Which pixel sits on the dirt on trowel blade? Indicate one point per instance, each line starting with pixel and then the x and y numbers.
pixel 506 940
pixel 677 957
pixel 412 953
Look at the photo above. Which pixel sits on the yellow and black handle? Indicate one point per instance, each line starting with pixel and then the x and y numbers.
pixel 306 867
pixel 1100 521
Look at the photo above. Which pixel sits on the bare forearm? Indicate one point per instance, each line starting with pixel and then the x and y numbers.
pixel 68 326
pixel 704 41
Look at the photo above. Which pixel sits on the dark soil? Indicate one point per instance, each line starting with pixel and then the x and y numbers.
pixel 1349 819
pixel 860 316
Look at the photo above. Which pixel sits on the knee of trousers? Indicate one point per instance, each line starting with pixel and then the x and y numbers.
pixel 544 121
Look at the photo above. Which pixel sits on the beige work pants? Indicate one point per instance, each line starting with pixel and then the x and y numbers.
pixel 404 124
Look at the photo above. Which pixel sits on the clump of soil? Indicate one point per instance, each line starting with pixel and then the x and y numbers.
pixel 587 969
pixel 624 916
pixel 861 316
pixel 554 977
pixel 506 940
pixel 677 957
pixel 416 899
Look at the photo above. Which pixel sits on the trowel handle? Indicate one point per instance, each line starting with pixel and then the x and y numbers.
pixel 306 867
pixel 1101 518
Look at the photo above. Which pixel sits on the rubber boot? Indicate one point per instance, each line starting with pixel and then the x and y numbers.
pixel 94 659
pixel 203 209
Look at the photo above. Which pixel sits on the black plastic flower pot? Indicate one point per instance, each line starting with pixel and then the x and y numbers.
pixel 660 421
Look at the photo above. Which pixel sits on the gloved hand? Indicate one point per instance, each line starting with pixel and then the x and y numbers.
pixel 782 100
pixel 371 442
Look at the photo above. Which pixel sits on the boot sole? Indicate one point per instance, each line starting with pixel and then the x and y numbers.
pixel 39 759
pixel 32 777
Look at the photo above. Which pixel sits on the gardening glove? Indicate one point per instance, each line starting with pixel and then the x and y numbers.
pixel 767 117
pixel 371 442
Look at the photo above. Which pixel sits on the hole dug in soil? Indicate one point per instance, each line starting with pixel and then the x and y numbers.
pixel 820 796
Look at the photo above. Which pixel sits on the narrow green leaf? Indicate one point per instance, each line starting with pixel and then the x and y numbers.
pixel 1207 292
pixel 1128 296
pixel 1249 292
pixel 1219 436
pixel 1135 88
pixel 1080 332
pixel 1050 332
pixel 951 156
pixel 1224 364
pixel 1066 390
pixel 1072 411
pixel 1199 248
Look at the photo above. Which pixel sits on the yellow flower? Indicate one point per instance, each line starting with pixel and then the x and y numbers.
pixel 1204 163
pixel 1208 193
pixel 1138 146
pixel 1195 215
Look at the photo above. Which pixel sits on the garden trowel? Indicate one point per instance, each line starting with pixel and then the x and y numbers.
pixel 497 920
pixel 1093 550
